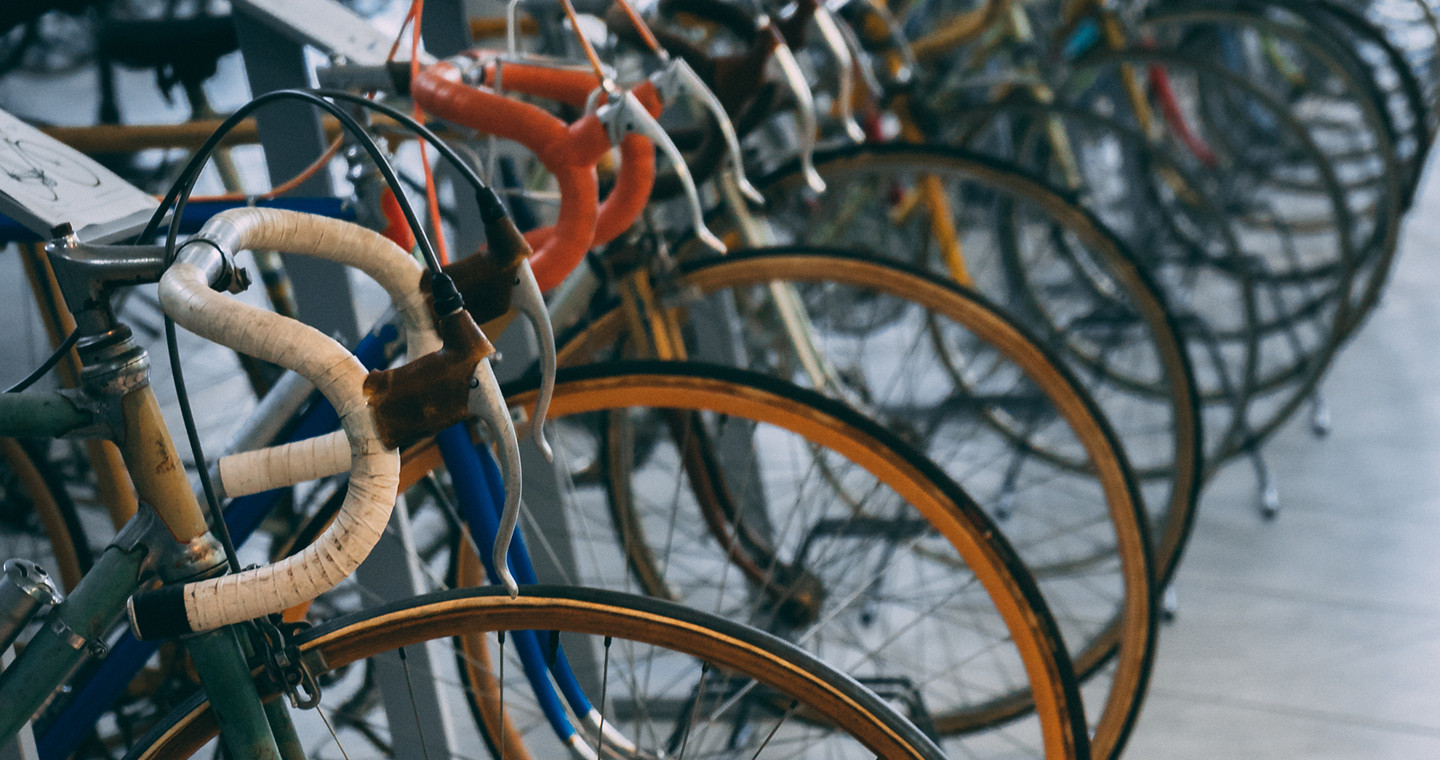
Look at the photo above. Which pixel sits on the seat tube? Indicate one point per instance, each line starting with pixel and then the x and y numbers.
pixel 115 367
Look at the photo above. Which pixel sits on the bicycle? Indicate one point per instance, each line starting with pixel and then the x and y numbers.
pixel 447 103
pixel 52 651
pixel 924 204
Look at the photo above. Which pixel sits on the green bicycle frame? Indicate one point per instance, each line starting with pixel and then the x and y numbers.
pixel 168 537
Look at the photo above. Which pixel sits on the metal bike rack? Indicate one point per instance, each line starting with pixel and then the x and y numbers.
pixel 292 134
pixel 273 36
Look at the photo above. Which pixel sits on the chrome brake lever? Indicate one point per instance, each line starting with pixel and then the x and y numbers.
pixel 488 403
pixel 909 63
pixel 623 115
pixel 512 27
pixel 677 79
pixel 840 49
pixel 526 299
pixel 794 78
pixel 857 49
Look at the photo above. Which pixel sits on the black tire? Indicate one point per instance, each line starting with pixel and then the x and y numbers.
pixel 760 663
pixel 959 380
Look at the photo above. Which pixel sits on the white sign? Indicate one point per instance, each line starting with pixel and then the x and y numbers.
pixel 44 182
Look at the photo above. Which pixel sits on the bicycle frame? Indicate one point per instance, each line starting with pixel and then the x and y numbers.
pixel 169 537
pixel 130 655
pixel 480 494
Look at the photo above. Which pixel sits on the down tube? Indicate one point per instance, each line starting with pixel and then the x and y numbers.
pixel 71 727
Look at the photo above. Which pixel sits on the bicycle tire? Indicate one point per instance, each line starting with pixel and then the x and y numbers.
pixel 742 395
pixel 447 615
pixel 1030 638
pixel 1178 468
pixel 836 285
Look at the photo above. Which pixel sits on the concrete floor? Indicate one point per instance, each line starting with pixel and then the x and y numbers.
pixel 1318 635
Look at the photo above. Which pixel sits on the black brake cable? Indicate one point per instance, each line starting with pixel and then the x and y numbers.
pixel 484 195
pixel 179 194
pixel 49 364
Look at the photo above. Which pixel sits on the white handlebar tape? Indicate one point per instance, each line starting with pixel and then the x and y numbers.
pixel 341 242
pixel 387 263
pixel 185 295
pixel 284 465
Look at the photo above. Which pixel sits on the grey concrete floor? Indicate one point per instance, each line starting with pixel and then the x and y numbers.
pixel 1318 635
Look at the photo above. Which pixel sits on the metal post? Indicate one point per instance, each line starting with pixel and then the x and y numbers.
pixel 445 28
pixel 293 138
pixel 417 715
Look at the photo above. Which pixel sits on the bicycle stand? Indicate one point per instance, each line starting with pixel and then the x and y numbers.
pixel 1320 422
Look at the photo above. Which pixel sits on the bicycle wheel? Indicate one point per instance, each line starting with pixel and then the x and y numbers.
pixel 1335 103
pixel 673 680
pixel 869 556
pixel 38 520
pixel 1111 326
pixel 954 377
pixel 802 592
pixel 1259 301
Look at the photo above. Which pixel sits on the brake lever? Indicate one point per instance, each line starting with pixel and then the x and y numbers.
pixel 909 64
pixel 512 28
pixel 679 78
pixel 624 114
pixel 527 300
pixel 488 403
pixel 857 50
pixel 840 49
pixel 794 78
